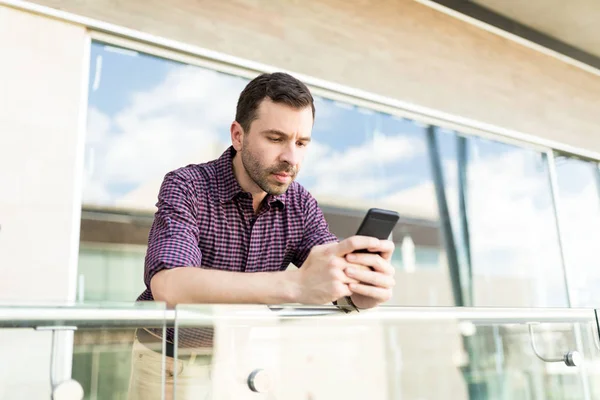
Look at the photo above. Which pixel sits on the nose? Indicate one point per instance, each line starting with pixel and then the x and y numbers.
pixel 291 155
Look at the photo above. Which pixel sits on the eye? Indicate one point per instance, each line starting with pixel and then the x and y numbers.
pixel 301 144
pixel 275 140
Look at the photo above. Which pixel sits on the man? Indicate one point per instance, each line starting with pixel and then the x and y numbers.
pixel 225 232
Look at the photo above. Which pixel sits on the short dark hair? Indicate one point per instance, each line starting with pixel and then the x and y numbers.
pixel 279 87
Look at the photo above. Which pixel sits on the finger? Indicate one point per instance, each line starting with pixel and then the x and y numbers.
pixel 344 290
pixel 342 277
pixel 375 261
pixel 372 278
pixel 354 243
pixel 342 264
pixel 385 248
pixel 337 266
pixel 374 292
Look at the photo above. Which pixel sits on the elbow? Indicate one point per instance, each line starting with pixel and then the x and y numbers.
pixel 160 288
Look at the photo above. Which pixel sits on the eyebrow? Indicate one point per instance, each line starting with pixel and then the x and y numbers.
pixel 281 133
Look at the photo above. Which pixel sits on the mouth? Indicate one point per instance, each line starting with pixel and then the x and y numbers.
pixel 282 177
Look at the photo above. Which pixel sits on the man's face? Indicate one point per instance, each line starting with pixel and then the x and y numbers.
pixel 273 150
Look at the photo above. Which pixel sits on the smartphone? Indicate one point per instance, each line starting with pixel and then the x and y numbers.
pixel 378 223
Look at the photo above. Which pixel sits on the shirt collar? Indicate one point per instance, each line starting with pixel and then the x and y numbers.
pixel 229 188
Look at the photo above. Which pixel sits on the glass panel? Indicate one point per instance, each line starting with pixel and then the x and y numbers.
pixel 148 115
pixel 395 354
pixel 503 365
pixel 510 255
pixel 579 202
pixel 312 352
pixel 360 159
pixel 100 347
pixel 103 357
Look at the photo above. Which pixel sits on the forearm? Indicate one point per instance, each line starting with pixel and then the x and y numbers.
pixel 189 285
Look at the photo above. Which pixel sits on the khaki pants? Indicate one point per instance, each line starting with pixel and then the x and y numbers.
pixel 193 376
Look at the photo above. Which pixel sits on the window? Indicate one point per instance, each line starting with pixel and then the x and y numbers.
pixel 111 273
pixel 504 227
pixel 477 221
pixel 579 205
pixel 149 115
pixel 360 158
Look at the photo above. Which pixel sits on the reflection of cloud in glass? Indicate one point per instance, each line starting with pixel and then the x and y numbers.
pixel 182 119
pixel 511 217
pixel 417 201
pixel 511 220
pixel 580 217
pixel 182 116
pixel 358 172
pixel 511 225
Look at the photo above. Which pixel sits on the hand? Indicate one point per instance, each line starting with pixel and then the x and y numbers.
pixel 374 273
pixel 322 279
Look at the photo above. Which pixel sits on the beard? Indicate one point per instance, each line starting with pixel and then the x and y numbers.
pixel 260 174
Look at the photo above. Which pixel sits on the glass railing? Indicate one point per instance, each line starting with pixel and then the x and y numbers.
pixel 64 351
pixel 291 352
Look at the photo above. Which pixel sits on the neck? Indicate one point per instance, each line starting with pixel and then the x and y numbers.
pixel 246 183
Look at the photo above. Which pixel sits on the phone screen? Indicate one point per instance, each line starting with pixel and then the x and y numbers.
pixel 378 223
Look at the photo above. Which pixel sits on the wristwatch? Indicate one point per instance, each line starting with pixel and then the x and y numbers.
pixel 346 304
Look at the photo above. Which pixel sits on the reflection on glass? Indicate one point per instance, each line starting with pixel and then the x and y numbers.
pixel 147 116
pixel 579 205
pixel 511 250
pixel 360 159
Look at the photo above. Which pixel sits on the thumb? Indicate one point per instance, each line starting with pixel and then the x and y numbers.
pixel 354 243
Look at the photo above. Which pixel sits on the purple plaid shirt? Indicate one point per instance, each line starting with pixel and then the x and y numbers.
pixel 206 220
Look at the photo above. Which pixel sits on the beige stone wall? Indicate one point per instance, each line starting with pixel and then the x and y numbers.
pixel 396 48
pixel 40 104
pixel 40 98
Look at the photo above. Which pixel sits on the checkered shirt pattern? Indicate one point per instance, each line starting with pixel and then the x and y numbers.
pixel 205 220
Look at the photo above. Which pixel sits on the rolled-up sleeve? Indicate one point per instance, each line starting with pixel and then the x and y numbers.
pixel 173 238
pixel 316 231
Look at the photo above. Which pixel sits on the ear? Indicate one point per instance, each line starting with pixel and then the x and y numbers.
pixel 237 135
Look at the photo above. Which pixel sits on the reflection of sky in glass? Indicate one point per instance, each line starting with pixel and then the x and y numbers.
pixel 511 220
pixel 120 74
pixel 579 196
pixel 366 156
pixel 149 115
